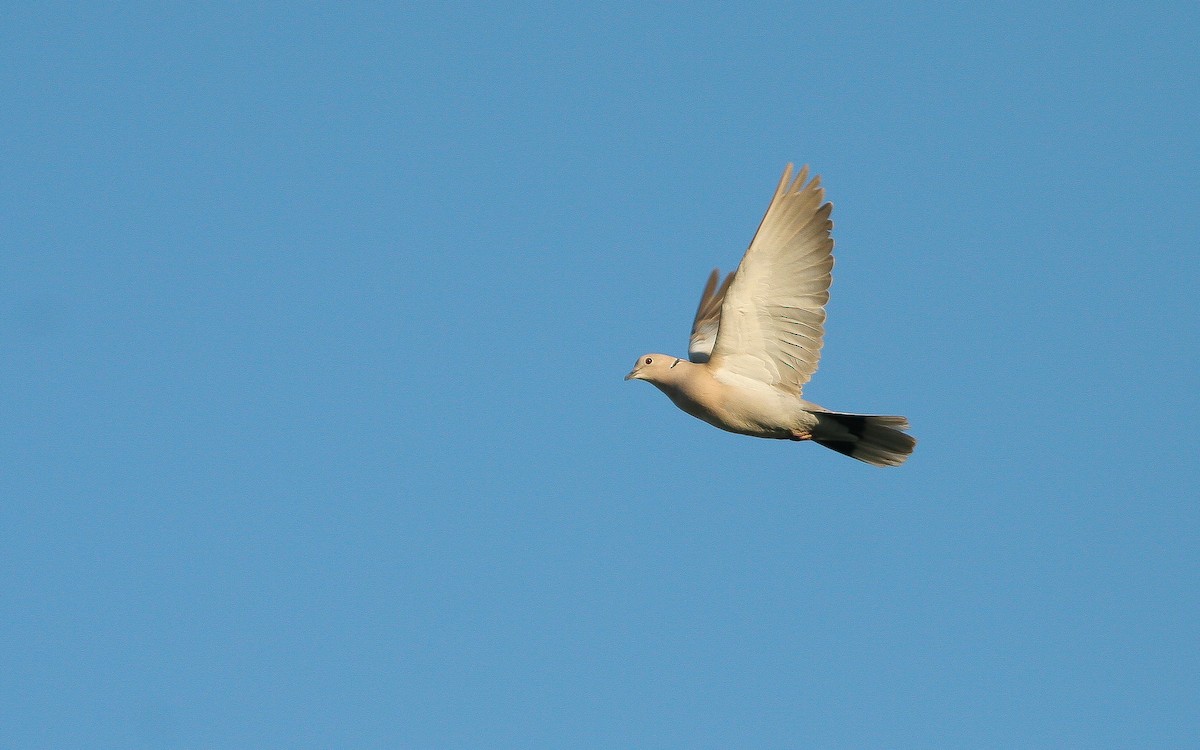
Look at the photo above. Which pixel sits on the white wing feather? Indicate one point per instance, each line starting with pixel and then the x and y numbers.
pixel 773 316
pixel 708 317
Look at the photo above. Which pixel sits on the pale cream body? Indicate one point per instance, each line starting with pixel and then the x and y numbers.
pixel 729 401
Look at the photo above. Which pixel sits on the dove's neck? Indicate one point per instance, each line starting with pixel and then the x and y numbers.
pixel 687 384
pixel 673 376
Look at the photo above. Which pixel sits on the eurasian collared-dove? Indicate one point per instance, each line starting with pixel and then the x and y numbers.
pixel 757 337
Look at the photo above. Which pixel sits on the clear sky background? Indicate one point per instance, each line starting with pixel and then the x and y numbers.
pixel 313 324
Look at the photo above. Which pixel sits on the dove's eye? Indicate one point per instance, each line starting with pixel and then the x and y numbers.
pixel 648 360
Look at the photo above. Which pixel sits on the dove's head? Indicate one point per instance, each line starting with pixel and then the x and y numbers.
pixel 655 368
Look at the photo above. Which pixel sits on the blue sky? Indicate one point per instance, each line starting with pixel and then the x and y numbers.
pixel 314 321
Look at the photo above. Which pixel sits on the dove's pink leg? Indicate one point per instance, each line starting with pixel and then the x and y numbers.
pixel 800 435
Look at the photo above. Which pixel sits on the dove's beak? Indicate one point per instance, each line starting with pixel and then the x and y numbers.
pixel 631 375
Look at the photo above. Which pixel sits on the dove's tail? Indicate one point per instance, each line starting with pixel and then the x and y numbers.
pixel 873 439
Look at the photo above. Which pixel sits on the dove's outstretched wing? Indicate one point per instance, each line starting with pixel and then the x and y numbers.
pixel 772 318
pixel 708 317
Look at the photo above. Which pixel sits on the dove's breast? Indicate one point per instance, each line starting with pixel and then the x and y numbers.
pixel 741 405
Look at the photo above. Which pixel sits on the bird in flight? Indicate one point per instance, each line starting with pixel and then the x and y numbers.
pixel 757 336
